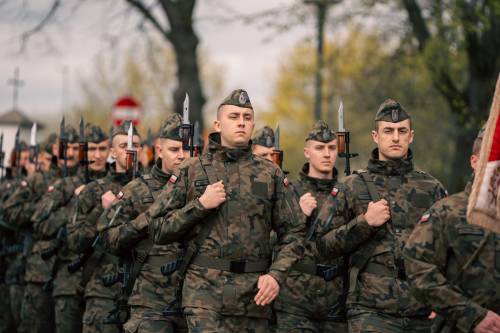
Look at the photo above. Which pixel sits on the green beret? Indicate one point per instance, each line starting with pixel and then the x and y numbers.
pixel 264 137
pixel 71 134
pixel 391 111
pixel 123 129
pixel 171 128
pixel 47 144
pixel 94 133
pixel 321 132
pixel 238 97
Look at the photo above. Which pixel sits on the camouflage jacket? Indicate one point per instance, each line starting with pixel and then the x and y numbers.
pixel 151 288
pixel 82 231
pixel 306 294
pixel 377 280
pixel 258 201
pixel 454 266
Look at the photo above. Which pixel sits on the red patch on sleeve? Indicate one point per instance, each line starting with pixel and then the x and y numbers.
pixel 285 182
pixel 50 189
pixel 334 192
pixel 119 196
pixel 424 218
pixel 173 179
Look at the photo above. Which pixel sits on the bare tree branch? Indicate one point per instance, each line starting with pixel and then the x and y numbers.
pixel 27 35
pixel 147 13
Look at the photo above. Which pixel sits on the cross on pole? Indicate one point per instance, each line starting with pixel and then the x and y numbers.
pixel 16 83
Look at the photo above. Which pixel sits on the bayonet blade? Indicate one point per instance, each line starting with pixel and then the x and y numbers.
pixel 16 143
pixel 62 135
pixel 130 135
pixel 82 130
pixel 196 135
pixel 33 135
pixel 185 110
pixel 277 138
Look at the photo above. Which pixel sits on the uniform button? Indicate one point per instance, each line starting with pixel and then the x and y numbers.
pixel 224 279
pixel 393 202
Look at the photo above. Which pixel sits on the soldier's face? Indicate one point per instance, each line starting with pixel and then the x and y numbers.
pixel 98 154
pixel 393 139
pixel 44 161
pixel 71 155
pixel 321 156
pixel 119 150
pixel 263 151
pixel 171 154
pixel 235 125
pixel 24 158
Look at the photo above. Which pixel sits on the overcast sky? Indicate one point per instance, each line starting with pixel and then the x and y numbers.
pixel 75 39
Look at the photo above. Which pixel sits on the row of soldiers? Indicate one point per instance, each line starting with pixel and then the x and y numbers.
pixel 223 242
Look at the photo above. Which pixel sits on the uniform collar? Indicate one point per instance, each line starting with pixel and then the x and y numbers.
pixel 227 154
pixel 317 183
pixel 390 167
pixel 158 173
pixel 121 178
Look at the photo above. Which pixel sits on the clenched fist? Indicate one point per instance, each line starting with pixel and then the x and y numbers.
pixel 490 324
pixel 108 199
pixel 214 196
pixel 378 213
pixel 308 203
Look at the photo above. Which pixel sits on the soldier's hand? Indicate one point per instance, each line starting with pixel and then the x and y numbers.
pixel 378 213
pixel 308 203
pixel 79 189
pixel 268 290
pixel 214 196
pixel 489 324
pixel 30 168
pixel 108 199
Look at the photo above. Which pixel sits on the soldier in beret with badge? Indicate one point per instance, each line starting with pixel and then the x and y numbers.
pixel 263 142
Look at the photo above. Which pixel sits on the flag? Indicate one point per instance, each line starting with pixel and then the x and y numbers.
pixel 484 201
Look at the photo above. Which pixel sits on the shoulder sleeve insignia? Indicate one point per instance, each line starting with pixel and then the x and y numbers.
pixel 425 218
pixel 334 192
pixel 24 183
pixel 286 182
pixel 173 179
pixel 50 189
pixel 119 196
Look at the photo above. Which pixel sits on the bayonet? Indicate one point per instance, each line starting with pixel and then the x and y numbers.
pixel 17 154
pixel 63 147
pixel 83 148
pixel 277 154
pixel 197 139
pixel 131 152
pixel 187 128
pixel 1 157
pixel 34 146
pixel 343 142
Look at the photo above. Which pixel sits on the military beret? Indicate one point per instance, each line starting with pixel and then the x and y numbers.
pixel 123 129
pixel 264 137
pixel 391 111
pixel 171 128
pixel 321 132
pixel 94 133
pixel 238 97
pixel 47 144
pixel 71 134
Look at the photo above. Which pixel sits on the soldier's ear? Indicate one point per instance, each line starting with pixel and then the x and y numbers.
pixel 217 125
pixel 307 155
pixel 375 136
pixel 412 135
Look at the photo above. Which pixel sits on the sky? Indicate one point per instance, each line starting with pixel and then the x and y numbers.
pixel 55 60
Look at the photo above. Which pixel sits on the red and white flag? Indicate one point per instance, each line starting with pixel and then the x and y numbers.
pixel 484 201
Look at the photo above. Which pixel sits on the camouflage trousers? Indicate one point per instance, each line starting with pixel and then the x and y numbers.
pixel 292 323
pixel 7 323
pixel 369 321
pixel 144 320
pixel 16 294
pixel 96 309
pixel 37 310
pixel 206 321
pixel 68 313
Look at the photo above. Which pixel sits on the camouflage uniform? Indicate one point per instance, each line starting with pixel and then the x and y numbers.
pixel 454 266
pixel 152 292
pixel 220 283
pixel 379 297
pixel 82 231
pixel 313 296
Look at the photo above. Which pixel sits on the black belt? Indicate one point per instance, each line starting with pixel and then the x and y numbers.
pixel 328 273
pixel 233 266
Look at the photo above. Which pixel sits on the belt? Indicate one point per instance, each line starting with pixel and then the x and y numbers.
pixel 233 266
pixel 382 270
pixel 328 273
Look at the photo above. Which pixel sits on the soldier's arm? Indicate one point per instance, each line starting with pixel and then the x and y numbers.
pixel 19 207
pixel 349 230
pixel 289 224
pixel 425 260
pixel 170 215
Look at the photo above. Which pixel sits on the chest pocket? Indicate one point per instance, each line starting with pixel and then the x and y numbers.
pixel 200 185
pixel 421 200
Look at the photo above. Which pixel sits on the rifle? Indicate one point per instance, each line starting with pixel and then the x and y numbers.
pixel 63 147
pixel 277 154
pixel 83 149
pixel 34 146
pixel 131 153
pixel 2 155
pixel 16 155
pixel 343 142
pixel 151 148
pixel 187 130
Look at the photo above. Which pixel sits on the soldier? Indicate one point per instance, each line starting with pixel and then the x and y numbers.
pixel 92 201
pixel 454 267
pixel 372 222
pixel 263 143
pixel 153 292
pixel 50 221
pixel 224 205
pixel 312 297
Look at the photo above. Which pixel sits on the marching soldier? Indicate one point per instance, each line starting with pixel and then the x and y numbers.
pixel 223 205
pixel 372 222
pixel 312 297
pixel 153 300
pixel 263 143
pixel 82 231
pixel 454 266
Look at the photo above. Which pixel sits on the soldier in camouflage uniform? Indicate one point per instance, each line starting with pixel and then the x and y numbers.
pixel 312 297
pixel 454 266
pixel 263 143
pixel 372 222
pixel 236 198
pixel 82 231
pixel 153 292
pixel 37 313
pixel 50 219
